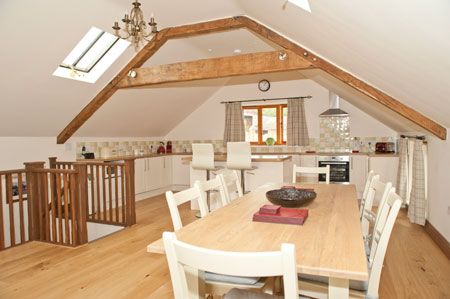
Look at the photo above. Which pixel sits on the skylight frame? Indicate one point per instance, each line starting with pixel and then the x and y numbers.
pixel 92 68
pixel 303 4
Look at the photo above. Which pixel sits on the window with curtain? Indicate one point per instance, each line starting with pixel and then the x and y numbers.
pixel 262 122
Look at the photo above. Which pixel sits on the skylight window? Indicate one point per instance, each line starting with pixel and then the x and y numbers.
pixel 304 4
pixel 92 56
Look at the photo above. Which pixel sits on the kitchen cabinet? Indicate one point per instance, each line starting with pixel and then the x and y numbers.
pixel 358 173
pixel 152 173
pixel 307 161
pixel 180 172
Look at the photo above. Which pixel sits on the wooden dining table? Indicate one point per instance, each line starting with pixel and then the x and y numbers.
pixel 329 243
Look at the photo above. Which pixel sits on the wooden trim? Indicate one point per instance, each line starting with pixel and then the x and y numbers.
pixel 347 78
pixel 204 28
pixel 229 66
pixel 279 120
pixel 439 239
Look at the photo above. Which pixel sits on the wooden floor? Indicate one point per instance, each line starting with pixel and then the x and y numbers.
pixel 118 266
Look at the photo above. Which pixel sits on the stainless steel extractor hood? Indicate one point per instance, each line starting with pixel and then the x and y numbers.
pixel 334 107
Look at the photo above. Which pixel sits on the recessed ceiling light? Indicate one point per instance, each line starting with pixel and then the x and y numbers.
pixel 209 50
pixel 237 51
pixel 304 4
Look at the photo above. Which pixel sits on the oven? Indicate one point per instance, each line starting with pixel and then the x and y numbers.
pixel 339 168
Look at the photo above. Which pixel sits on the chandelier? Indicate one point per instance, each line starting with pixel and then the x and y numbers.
pixel 135 27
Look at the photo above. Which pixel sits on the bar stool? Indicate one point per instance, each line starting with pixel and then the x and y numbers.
pixel 203 159
pixel 239 157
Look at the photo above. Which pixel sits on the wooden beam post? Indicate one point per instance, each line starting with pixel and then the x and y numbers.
pixel 130 217
pixel 81 203
pixel 347 78
pixel 33 198
pixel 247 64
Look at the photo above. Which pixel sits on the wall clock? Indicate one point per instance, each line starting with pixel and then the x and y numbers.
pixel 264 85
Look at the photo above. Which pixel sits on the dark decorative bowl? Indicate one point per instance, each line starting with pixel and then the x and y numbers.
pixel 290 197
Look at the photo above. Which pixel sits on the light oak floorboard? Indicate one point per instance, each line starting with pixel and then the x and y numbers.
pixel 118 266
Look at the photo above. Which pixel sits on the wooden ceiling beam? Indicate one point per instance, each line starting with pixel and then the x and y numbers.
pixel 141 57
pixel 246 64
pixel 347 78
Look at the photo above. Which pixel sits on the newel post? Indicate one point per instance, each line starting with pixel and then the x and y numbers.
pixel 34 195
pixel 130 192
pixel 52 162
pixel 81 205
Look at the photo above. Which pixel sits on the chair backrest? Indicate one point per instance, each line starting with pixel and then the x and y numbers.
pixel 213 184
pixel 366 186
pixel 373 177
pixel 376 187
pixel 314 170
pixel 176 199
pixel 239 155
pixel 231 185
pixel 202 156
pixel 380 240
pixel 249 264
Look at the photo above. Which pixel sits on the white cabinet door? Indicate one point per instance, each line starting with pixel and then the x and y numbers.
pixel 140 175
pixel 308 161
pixel 154 178
pixel 358 173
pixel 180 170
pixel 387 168
pixel 167 171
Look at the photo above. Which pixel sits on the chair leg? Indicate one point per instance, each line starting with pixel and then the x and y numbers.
pixel 243 180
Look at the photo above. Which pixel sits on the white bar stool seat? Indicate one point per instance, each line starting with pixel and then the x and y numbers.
pixel 239 157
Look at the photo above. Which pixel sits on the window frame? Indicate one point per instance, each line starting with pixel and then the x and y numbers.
pixel 279 122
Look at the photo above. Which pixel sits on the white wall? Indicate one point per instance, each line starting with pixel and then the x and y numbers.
pixel 207 122
pixel 438 186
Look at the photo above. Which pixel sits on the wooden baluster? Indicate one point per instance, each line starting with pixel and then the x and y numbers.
pixel 66 208
pixel 52 162
pixel 104 191
pixel 110 180
pixel 59 202
pixel 93 208
pixel 122 184
pixel 97 182
pixel 2 230
pixel 41 211
pixel 46 206
pixel 22 219
pixel 116 185
pixel 73 203
pixel 53 207
pixel 9 197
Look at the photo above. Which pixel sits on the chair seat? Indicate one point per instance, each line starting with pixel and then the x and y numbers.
pixel 251 168
pixel 215 168
pixel 353 284
pixel 231 279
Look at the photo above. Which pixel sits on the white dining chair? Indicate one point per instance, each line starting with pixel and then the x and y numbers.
pixel 366 190
pixel 376 188
pixel 311 170
pixel 317 287
pixel 252 264
pixel 215 282
pixel 231 185
pixel 239 157
pixel 176 199
pixel 212 185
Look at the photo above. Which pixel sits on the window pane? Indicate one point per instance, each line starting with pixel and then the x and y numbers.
pixel 269 123
pixel 285 112
pixel 251 125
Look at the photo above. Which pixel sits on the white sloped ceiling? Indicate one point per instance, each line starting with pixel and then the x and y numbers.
pixel 400 47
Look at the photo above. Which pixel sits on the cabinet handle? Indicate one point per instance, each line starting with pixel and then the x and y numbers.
pixel 164 162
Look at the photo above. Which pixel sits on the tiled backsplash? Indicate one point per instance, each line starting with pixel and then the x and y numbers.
pixel 332 144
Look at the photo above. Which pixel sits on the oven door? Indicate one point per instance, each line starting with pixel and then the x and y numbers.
pixel 339 171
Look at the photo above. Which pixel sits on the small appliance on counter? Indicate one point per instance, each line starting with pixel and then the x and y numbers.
pixel 169 147
pixel 87 155
pixel 385 147
pixel 161 149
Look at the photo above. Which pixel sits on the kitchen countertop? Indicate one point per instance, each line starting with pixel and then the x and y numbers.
pixel 267 157
pixel 255 158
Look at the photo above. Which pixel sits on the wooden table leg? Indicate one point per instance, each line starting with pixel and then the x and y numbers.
pixel 196 282
pixel 338 288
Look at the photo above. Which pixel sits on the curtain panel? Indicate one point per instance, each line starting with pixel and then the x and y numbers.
pixel 402 174
pixel 297 129
pixel 418 200
pixel 234 123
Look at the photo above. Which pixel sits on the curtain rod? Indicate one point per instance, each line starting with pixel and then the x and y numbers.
pixel 417 137
pixel 273 99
